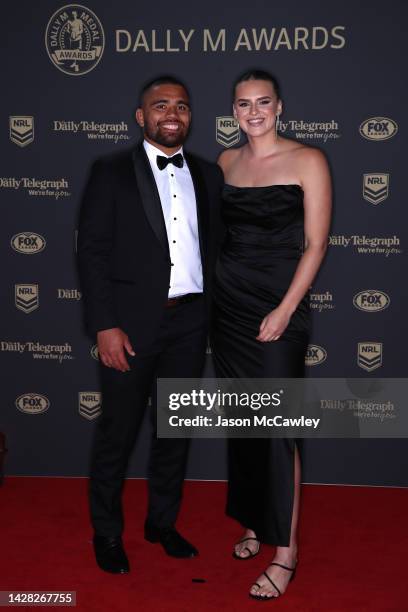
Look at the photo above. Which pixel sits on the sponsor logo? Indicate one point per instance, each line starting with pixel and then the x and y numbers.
pixel 368 245
pixel 321 301
pixel 74 39
pixel 310 130
pixel 227 131
pixel 371 300
pixel 90 404
pixel 114 132
pixel 375 187
pixel 21 130
pixel 95 352
pixel 69 294
pixel 47 352
pixel 315 355
pixel 28 243
pixel 369 355
pixel 27 297
pixel 32 403
pixel 378 128
pixel 37 187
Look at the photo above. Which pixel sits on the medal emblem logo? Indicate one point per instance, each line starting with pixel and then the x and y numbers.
pixel 74 39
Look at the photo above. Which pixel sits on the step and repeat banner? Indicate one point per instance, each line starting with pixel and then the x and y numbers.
pixel 71 76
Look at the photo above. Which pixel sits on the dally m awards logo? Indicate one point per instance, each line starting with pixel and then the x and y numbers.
pixel 32 403
pixel 21 130
pixel 378 128
pixel 90 404
pixel 371 300
pixel 27 298
pixel 74 39
pixel 369 355
pixel 227 131
pixel 315 355
pixel 28 243
pixel 376 187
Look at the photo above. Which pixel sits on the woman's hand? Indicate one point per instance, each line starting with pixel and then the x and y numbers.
pixel 273 325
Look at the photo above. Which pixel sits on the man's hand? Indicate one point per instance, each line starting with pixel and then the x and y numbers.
pixel 111 345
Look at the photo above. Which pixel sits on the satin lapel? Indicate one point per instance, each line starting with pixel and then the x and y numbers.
pixel 150 196
pixel 202 204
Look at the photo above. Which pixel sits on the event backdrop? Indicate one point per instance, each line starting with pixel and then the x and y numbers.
pixel 71 76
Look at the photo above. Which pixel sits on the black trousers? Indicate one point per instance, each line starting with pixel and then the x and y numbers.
pixel 178 351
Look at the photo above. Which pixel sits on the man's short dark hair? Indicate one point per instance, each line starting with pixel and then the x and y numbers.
pixel 165 79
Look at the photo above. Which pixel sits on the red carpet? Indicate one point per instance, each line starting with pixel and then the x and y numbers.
pixel 353 547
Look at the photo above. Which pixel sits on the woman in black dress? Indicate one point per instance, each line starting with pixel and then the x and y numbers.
pixel 276 207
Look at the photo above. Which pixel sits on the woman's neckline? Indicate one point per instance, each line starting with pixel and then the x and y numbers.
pixel 265 186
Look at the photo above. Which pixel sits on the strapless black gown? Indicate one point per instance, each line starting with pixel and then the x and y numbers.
pixel 257 262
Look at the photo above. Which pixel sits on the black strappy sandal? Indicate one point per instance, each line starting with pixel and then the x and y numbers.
pixel 266 597
pixel 251 553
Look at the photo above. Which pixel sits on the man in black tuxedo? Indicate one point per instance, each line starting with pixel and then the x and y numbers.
pixel 146 247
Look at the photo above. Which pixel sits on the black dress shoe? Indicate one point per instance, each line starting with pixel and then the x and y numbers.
pixel 173 543
pixel 110 554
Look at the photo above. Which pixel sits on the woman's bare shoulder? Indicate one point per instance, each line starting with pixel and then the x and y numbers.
pixel 228 157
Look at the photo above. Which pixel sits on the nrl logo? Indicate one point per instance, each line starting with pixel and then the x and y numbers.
pixel 375 187
pixel 315 355
pixel 90 404
pixel 369 355
pixel 21 130
pixel 227 131
pixel 27 297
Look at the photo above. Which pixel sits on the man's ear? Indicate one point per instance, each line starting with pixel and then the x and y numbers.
pixel 140 117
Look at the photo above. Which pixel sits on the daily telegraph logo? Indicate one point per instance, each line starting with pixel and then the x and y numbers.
pixel 368 245
pixel 74 39
pixel 315 355
pixel 55 188
pixel 378 128
pixel 375 187
pixel 114 132
pixel 32 403
pixel 90 404
pixel 369 355
pixel 28 243
pixel 21 130
pixel 371 300
pixel 311 130
pixel 227 131
pixel 27 297
pixel 321 301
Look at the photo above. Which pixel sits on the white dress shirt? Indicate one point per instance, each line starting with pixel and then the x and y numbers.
pixel 177 197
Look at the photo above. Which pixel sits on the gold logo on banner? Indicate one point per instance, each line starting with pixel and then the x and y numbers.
pixel 28 243
pixel 90 404
pixel 369 355
pixel 27 297
pixel 21 130
pixel 378 128
pixel 32 403
pixel 227 131
pixel 375 187
pixel 95 352
pixel 371 300
pixel 315 355
pixel 74 39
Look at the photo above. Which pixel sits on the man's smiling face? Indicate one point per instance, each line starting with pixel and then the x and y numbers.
pixel 165 115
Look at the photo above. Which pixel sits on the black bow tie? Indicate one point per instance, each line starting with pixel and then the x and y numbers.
pixel 162 161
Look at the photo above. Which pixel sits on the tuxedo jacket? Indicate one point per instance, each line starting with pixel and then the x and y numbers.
pixel 123 252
